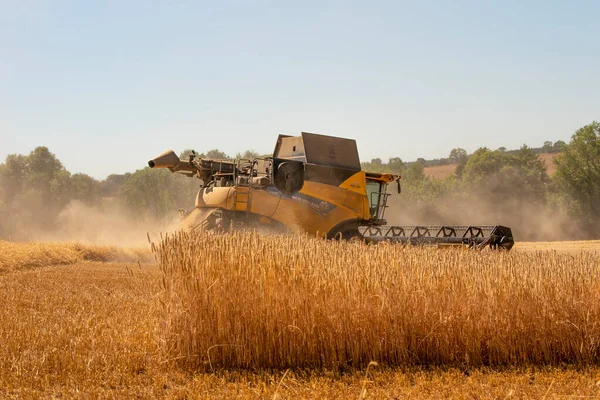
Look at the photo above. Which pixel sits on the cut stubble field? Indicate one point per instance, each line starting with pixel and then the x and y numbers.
pixel 246 316
pixel 444 171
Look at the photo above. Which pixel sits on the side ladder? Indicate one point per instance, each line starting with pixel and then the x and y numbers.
pixel 242 198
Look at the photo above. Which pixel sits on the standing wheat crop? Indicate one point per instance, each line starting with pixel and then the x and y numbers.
pixel 250 301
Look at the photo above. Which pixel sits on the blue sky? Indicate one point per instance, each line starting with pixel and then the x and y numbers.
pixel 107 85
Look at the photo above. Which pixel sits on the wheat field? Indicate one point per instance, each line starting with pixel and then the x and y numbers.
pixel 22 256
pixel 256 302
pixel 257 317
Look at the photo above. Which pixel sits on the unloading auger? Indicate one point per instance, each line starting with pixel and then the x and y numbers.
pixel 311 184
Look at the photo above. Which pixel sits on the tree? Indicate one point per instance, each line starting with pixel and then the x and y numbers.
pixel 13 174
pixel 460 167
pixel 578 173
pixel 60 190
pixel 529 176
pixel 216 154
pixel 185 155
pixel 35 188
pixel 548 147
pixel 415 173
pixel 248 155
pixel 521 174
pixel 41 160
pixel 483 163
pixel 42 168
pixel 111 184
pixel 157 193
pixel 85 188
pixel 457 156
pixel 559 146
pixel 395 165
pixel 375 165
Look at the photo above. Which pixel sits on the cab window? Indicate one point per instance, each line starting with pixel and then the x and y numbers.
pixel 373 190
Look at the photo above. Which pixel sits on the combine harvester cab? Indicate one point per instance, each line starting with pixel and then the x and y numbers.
pixel 312 184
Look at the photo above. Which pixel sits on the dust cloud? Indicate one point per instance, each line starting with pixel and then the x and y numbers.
pixel 110 224
pixel 530 220
pixel 105 224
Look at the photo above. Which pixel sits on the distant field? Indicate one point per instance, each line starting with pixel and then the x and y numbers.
pixel 440 171
pixel 548 159
pixel 443 171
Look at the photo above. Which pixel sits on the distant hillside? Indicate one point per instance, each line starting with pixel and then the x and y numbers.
pixel 443 171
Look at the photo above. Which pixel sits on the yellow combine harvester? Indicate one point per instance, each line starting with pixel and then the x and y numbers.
pixel 314 184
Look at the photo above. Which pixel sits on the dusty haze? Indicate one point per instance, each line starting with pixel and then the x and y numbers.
pixel 107 224
pixel 528 219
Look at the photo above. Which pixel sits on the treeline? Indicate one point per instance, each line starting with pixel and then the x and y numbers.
pixel 456 156
pixel 35 190
pixel 488 186
pixel 508 187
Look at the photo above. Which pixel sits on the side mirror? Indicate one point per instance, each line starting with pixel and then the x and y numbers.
pixel 399 186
